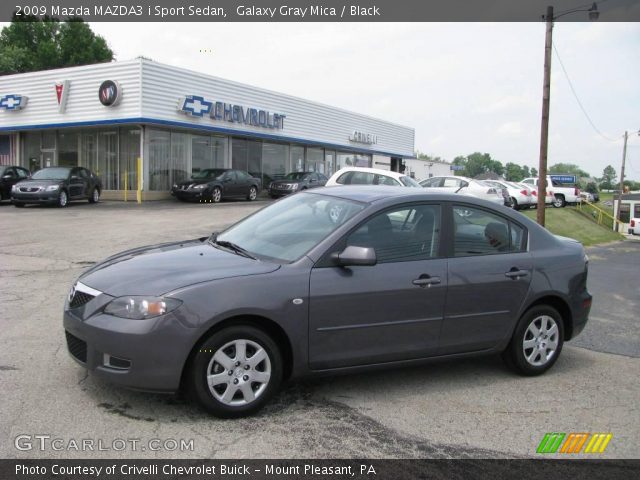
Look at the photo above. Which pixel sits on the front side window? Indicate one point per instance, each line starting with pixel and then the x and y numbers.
pixel 479 232
pixel 384 180
pixel 289 228
pixel 400 235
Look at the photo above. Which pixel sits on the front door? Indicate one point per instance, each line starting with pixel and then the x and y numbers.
pixel 386 312
pixel 489 277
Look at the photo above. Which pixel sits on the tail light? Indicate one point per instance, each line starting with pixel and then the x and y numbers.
pixel 633 223
pixel 576 191
pixel 523 192
pixel 534 193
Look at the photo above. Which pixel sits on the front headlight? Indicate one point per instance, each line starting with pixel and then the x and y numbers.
pixel 199 187
pixel 294 186
pixel 52 188
pixel 14 188
pixel 140 308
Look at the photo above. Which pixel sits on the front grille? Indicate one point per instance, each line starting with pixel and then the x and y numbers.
pixel 30 189
pixel 79 299
pixel 77 347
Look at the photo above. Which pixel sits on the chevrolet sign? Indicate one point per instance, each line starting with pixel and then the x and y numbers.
pixel 362 137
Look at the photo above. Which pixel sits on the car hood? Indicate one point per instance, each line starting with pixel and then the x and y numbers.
pixel 37 183
pixel 159 269
pixel 196 182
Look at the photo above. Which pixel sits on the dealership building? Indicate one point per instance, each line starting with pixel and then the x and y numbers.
pixel 107 116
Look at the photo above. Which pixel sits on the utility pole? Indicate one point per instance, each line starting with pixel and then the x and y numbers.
pixel 544 130
pixel 624 157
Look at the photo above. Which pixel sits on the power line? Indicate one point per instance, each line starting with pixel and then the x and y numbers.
pixel 578 99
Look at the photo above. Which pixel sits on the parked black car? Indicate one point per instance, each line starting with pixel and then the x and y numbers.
pixel 295 182
pixel 331 280
pixel 9 176
pixel 57 186
pixel 214 184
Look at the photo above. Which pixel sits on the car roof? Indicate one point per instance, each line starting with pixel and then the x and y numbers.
pixel 375 193
pixel 388 173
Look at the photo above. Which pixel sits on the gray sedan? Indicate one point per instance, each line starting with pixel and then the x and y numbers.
pixel 338 279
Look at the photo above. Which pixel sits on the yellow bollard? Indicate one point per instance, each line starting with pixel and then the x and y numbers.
pixel 126 187
pixel 139 172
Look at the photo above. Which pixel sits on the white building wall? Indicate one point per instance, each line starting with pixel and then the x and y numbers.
pixel 83 104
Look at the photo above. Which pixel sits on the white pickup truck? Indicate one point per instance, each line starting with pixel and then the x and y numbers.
pixel 563 194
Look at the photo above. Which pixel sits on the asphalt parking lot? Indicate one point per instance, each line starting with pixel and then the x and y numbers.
pixel 469 408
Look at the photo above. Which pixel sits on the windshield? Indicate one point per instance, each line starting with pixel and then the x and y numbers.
pixel 409 182
pixel 296 175
pixel 51 174
pixel 208 173
pixel 289 228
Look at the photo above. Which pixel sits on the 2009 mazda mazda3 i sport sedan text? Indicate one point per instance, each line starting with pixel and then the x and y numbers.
pixel 335 280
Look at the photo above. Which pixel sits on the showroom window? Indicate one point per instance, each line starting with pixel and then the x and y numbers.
pixel 68 148
pixel 315 160
pixel 246 155
pixel 207 152
pixel 297 159
pixel 274 162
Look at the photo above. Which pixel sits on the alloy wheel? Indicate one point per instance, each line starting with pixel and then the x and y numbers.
pixel 540 340
pixel 253 193
pixel 63 199
pixel 239 372
pixel 216 196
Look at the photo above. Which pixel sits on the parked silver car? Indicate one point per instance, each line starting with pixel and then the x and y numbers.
pixel 520 195
pixel 464 185
pixel 335 279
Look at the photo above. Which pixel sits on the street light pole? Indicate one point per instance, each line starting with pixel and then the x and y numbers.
pixel 544 130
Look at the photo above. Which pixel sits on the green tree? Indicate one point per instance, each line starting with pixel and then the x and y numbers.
pixel 478 163
pixel 29 44
pixel 609 178
pixel 592 187
pixel 534 172
pixel 514 172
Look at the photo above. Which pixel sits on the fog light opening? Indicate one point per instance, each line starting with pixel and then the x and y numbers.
pixel 117 363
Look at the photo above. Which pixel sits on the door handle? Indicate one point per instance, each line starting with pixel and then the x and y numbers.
pixel 516 274
pixel 426 281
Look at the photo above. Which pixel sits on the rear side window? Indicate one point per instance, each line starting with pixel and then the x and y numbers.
pixel 384 180
pixel 479 232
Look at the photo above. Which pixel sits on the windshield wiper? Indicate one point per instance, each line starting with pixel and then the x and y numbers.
pixel 232 246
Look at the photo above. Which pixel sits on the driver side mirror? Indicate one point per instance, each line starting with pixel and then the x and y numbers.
pixel 356 256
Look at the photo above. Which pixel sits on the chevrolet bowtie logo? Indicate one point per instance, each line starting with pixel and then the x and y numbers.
pixel 195 106
pixel 13 102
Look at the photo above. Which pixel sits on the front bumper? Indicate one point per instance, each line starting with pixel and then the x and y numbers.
pixel 146 355
pixel 280 192
pixel 190 195
pixel 42 197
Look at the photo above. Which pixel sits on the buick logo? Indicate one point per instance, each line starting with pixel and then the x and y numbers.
pixel 109 93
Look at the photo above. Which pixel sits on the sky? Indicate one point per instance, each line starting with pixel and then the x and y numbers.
pixel 463 87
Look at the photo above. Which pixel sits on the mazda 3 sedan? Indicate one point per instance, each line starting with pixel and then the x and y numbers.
pixel 337 279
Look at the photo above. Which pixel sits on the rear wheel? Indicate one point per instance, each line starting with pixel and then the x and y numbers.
pixel 558 201
pixel 63 199
pixel 253 194
pixel 537 341
pixel 514 204
pixel 95 196
pixel 236 371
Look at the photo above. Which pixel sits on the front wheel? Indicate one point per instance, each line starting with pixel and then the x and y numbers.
pixel 253 194
pixel 236 371
pixel 63 199
pixel 95 196
pixel 216 195
pixel 558 201
pixel 537 341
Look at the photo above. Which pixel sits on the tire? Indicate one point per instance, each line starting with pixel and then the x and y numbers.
pixel 63 199
pixel 558 201
pixel 514 204
pixel 95 196
pixel 216 195
pixel 216 358
pixel 253 193
pixel 531 355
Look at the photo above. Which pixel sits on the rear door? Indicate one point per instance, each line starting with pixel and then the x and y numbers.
pixel 489 273
pixel 387 312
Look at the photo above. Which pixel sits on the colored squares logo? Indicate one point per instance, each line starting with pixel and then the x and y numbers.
pixel 574 442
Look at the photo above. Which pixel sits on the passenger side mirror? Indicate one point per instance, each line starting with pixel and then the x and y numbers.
pixel 356 256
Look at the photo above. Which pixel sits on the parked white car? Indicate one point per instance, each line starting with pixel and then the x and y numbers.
pixel 521 196
pixel 464 185
pixel 562 194
pixel 634 226
pixel 370 176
